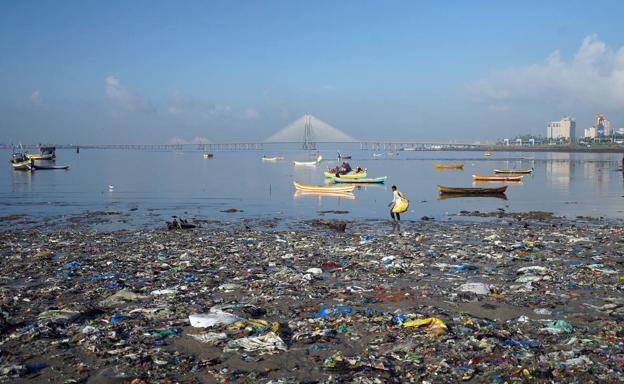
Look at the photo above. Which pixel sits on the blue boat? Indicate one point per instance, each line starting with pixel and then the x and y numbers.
pixel 376 180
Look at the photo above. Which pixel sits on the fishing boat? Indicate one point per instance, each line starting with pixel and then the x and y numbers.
pixel 208 155
pixel 449 166
pixel 472 191
pixel 514 171
pixel 41 166
pixel 445 196
pixel 343 157
pixel 351 175
pixel 377 154
pixel 47 153
pixel 376 180
pixel 21 162
pixel 312 163
pixel 393 153
pixel 273 158
pixel 319 158
pixel 497 178
pixel 344 195
pixel 488 154
pixel 323 188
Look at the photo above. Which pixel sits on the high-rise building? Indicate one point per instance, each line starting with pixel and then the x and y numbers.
pixel 562 129
pixel 603 126
pixel 590 133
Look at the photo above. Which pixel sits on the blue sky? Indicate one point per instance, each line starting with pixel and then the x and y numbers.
pixel 156 71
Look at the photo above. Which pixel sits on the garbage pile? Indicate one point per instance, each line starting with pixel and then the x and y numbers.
pixel 487 302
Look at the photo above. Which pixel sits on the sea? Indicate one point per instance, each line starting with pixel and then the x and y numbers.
pixel 147 188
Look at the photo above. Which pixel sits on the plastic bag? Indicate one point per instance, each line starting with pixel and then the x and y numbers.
pixel 401 205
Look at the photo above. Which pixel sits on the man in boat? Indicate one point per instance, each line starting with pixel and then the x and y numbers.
pixel 347 167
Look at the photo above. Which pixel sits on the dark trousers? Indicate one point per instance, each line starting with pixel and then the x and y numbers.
pixel 395 215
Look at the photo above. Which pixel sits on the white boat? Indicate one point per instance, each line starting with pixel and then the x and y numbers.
pixel 274 158
pixel 377 154
pixel 318 160
pixel 310 163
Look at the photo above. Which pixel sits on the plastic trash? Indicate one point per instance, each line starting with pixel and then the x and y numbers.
pixel 268 343
pixel 335 310
pixel 558 326
pixel 215 317
pixel 212 338
pixel 432 323
pixel 476 288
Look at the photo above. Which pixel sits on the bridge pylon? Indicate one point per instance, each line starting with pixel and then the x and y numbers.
pixel 307 134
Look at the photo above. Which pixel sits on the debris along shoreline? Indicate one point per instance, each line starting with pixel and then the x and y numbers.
pixel 499 301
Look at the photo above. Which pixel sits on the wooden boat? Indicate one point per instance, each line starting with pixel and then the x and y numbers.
pixel 445 196
pixel 344 195
pixel 478 183
pixel 377 180
pixel 449 166
pixel 497 178
pixel 514 171
pixel 47 153
pixel 21 162
pixel 472 191
pixel 40 166
pixel 323 188
pixel 351 175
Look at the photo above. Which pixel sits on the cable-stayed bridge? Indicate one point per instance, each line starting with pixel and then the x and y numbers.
pixel 307 132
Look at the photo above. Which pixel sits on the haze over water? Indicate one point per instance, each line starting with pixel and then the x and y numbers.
pixel 152 186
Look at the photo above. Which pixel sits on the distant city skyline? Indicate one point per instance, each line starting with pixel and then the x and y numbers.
pixel 196 71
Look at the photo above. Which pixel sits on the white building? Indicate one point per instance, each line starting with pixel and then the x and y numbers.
pixel 562 129
pixel 590 133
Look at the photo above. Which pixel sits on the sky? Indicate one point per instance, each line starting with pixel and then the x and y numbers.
pixel 116 72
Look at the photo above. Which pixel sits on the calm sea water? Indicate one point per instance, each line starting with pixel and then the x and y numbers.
pixel 152 186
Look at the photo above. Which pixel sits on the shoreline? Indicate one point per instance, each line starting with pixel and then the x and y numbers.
pixel 507 299
pixel 118 220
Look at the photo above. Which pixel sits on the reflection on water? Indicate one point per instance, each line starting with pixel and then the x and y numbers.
pixel 22 181
pixel 320 195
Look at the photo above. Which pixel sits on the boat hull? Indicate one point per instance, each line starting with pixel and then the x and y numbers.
pixel 309 163
pixel 377 180
pixel 471 191
pixel 359 175
pixel 449 166
pixel 496 178
pixel 51 167
pixel 22 166
pixel 445 196
pixel 514 171
pixel 321 188
pixel 40 156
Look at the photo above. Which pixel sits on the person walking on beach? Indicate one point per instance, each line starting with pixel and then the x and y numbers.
pixel 398 205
